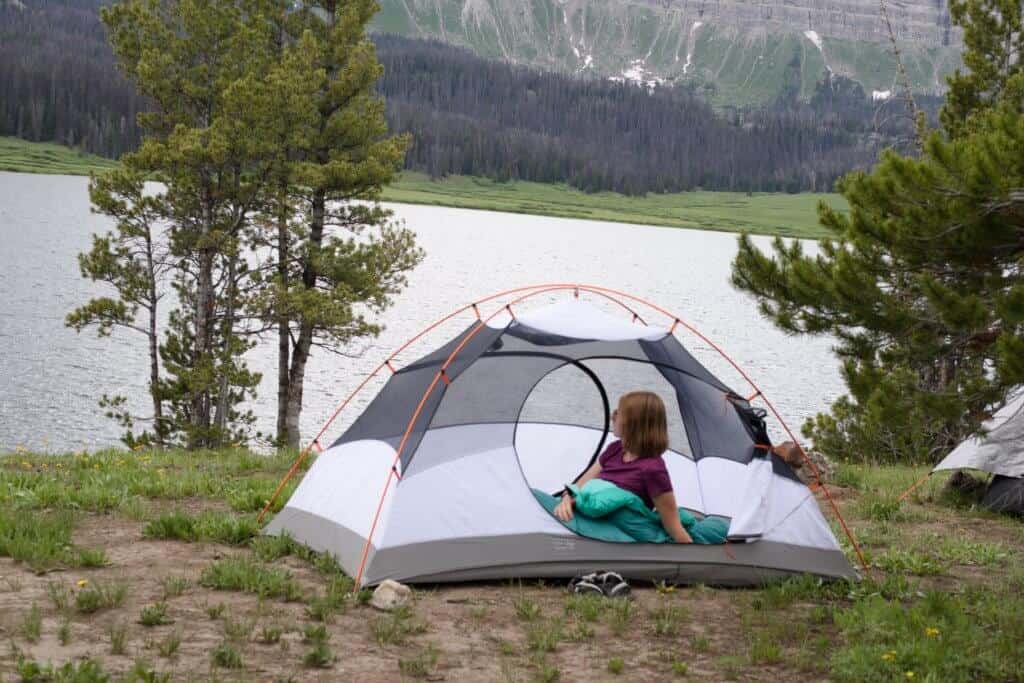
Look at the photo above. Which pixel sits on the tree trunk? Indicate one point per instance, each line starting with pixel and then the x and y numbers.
pixel 300 354
pixel 202 344
pixel 283 338
pixel 220 419
pixel 154 355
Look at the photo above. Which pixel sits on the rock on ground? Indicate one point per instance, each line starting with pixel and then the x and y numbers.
pixel 390 594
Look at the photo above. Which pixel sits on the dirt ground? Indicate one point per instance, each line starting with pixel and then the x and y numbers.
pixel 498 631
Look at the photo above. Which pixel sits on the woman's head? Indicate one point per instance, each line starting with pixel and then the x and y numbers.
pixel 641 423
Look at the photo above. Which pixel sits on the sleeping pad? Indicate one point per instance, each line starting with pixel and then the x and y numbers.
pixel 605 512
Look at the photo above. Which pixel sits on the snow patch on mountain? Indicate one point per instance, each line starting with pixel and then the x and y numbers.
pixel 880 95
pixel 816 39
pixel 689 46
pixel 638 73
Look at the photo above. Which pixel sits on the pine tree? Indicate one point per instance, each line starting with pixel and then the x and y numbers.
pixel 337 255
pixel 207 140
pixel 923 281
pixel 133 260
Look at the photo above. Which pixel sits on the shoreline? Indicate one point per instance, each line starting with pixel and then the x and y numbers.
pixel 774 214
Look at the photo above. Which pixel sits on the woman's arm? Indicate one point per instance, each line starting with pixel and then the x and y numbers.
pixel 666 506
pixel 564 509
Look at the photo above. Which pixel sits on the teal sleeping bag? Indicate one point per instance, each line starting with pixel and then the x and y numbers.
pixel 605 512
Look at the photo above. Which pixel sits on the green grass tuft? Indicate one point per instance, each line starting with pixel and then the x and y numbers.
pixel 395 627
pixel 99 596
pixel 244 574
pixel 155 615
pixel 32 624
pixel 87 671
pixel 320 657
pixel 226 657
pixel 420 665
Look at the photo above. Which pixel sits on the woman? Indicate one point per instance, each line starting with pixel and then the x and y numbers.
pixel 634 462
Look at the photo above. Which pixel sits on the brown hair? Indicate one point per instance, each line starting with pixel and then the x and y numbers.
pixel 643 424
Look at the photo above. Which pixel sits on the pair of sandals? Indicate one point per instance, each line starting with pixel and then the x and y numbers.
pixel 608 584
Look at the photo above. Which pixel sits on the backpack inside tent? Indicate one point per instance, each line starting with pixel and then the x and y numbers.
pixel 437 479
pixel 1000 452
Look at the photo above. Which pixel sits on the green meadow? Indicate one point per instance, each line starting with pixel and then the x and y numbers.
pixel 789 215
pixel 150 566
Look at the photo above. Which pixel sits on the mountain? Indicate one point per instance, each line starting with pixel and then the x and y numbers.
pixel 736 52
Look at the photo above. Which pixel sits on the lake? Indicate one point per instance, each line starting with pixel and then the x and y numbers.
pixel 51 377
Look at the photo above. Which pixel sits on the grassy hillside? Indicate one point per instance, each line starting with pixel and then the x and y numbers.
pixel 148 565
pixel 45 157
pixel 772 214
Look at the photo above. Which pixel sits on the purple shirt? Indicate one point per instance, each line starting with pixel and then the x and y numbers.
pixel 646 477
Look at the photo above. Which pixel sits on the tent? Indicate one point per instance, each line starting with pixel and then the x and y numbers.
pixel 1000 452
pixel 435 480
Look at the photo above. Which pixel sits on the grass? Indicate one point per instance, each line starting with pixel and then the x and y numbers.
pixel 210 527
pixel 88 671
pixel 155 615
pixel 46 157
pixel 396 627
pixel 169 645
pixel 946 577
pixel 43 541
pixel 226 657
pixel 250 576
pixel 792 215
pixel 667 620
pixel 32 624
pixel 118 634
pixel 319 657
pixel 421 664
pixel 174 586
pixel 101 596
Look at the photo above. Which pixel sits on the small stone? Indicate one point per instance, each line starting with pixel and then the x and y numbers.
pixel 390 594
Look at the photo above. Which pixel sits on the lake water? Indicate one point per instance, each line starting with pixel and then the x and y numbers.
pixel 51 377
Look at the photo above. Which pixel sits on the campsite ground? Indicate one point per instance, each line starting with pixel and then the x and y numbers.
pixel 789 215
pixel 135 563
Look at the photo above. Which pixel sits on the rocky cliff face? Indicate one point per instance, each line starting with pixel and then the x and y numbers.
pixel 737 51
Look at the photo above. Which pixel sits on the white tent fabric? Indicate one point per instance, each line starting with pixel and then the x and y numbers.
pixel 581 320
pixel 463 506
pixel 1000 450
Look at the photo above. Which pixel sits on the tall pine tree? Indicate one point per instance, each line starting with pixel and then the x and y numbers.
pixel 336 256
pixel 923 281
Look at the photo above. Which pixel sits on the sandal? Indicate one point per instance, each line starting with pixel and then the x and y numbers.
pixel 588 583
pixel 613 585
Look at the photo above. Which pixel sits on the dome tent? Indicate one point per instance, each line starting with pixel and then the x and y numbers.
pixel 434 480
pixel 1000 452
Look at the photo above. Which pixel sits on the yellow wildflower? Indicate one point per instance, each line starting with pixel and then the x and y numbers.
pixel 82 583
pixel 931 632
pixel 27 465
pixel 888 657
pixel 910 674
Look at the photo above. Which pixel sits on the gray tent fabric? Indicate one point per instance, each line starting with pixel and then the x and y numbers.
pixel 1005 494
pixel 526 404
pixel 1000 450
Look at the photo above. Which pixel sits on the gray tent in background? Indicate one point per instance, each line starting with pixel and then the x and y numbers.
pixel 1000 452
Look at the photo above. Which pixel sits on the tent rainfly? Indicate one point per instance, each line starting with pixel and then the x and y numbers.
pixel 434 481
pixel 1000 452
